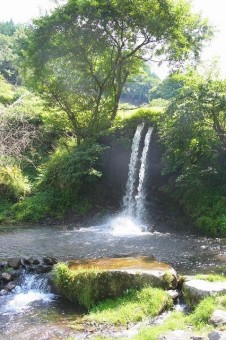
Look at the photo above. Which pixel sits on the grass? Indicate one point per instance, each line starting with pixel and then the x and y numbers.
pixel 211 277
pixel 197 321
pixel 133 307
pixel 175 321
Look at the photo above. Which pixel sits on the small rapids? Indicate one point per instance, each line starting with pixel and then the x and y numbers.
pixel 31 311
pixel 33 288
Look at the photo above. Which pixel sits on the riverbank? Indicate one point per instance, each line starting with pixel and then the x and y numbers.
pixel 33 312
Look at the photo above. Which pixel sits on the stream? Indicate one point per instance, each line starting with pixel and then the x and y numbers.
pixel 31 311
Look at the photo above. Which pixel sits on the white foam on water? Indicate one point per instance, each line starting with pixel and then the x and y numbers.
pixel 125 226
pixel 20 302
pixel 33 288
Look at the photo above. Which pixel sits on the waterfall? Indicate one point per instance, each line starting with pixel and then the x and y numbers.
pixel 140 197
pixel 32 288
pixel 134 199
pixel 129 199
pixel 129 221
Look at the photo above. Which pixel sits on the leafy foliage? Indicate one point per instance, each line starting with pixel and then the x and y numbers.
pixel 9 33
pixel 13 185
pixel 84 78
pixel 167 89
pixel 8 28
pixel 137 87
pixel 193 133
pixel 67 180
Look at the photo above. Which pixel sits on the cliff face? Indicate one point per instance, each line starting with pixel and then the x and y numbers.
pixel 115 169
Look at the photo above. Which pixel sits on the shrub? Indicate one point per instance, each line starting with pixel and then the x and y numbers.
pixel 13 184
pixel 68 180
pixel 126 123
pixel 33 208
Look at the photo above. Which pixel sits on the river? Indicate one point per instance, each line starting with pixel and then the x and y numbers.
pixel 28 313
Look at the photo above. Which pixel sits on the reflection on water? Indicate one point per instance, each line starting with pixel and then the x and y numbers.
pixel 187 253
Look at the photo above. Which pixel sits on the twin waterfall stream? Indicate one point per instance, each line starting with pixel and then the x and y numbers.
pixel 134 199
pixel 130 221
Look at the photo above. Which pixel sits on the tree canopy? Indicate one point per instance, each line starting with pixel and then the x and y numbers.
pixel 194 135
pixel 81 56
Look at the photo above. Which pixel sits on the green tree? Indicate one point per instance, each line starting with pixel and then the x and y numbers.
pixel 194 135
pixel 8 27
pixel 137 87
pixel 81 56
pixel 9 33
pixel 167 89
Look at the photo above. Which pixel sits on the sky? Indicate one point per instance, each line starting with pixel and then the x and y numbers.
pixel 22 11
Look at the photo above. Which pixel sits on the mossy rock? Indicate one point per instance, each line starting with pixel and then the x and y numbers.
pixel 196 290
pixel 87 282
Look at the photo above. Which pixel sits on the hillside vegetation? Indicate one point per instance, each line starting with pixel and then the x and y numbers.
pixel 64 104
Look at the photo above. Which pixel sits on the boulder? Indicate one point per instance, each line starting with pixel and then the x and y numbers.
pixel 195 290
pixel 6 277
pixel 174 294
pixel 87 282
pixel 10 286
pixel 142 268
pixel 36 262
pixel 14 262
pixel 49 260
pixel 40 269
pixel 217 335
pixel 30 261
pixel 218 318
pixel 3 265
pixel 180 335
pixel 3 292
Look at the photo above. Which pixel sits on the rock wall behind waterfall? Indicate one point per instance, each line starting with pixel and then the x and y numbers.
pixel 115 169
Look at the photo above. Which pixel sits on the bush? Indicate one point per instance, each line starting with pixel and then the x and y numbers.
pixel 67 181
pixel 7 92
pixel 33 208
pixel 13 184
pixel 126 123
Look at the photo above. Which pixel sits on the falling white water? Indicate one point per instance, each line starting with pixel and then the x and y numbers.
pixel 128 200
pixel 33 288
pixel 129 222
pixel 140 197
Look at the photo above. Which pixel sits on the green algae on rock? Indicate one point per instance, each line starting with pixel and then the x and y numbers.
pixel 86 282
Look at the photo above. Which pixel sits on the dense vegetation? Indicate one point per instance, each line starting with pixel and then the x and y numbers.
pixel 65 83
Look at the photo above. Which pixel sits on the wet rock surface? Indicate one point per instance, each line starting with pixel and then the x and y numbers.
pixel 195 290
pixel 142 268
pixel 13 269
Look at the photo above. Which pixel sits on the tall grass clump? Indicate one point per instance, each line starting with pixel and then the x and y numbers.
pixel 132 307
